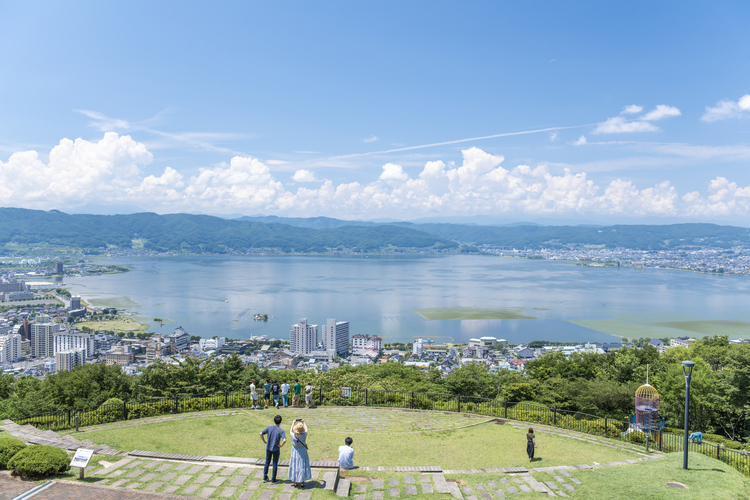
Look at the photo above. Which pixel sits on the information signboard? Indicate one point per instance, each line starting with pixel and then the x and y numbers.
pixel 346 392
pixel 81 457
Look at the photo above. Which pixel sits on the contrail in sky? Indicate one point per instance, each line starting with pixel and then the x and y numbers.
pixel 407 148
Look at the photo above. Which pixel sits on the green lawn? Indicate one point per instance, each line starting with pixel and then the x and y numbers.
pixel 396 441
pixel 451 313
pixel 705 478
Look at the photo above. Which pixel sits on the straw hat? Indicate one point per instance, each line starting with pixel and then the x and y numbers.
pixel 298 428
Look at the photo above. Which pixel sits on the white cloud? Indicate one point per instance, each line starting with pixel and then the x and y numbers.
pixel 660 112
pixel 581 141
pixel 372 138
pixel 110 172
pixel 393 172
pixel 553 136
pixel 304 176
pixel 726 109
pixel 632 109
pixel 618 124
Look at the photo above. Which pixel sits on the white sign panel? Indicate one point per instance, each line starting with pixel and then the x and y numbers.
pixel 81 458
pixel 346 392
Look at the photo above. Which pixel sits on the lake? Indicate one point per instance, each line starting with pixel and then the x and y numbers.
pixel 218 295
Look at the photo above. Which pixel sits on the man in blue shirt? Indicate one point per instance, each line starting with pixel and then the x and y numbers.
pixel 276 439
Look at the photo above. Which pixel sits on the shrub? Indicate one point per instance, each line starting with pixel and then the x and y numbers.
pixel 38 461
pixel 9 446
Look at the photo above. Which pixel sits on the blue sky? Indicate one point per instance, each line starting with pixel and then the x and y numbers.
pixel 631 111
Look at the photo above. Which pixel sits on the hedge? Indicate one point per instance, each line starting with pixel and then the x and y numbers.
pixel 9 446
pixel 39 461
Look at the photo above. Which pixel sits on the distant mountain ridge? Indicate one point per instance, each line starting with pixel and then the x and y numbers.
pixel 205 233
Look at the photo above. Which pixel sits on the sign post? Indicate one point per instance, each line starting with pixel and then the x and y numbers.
pixel 81 459
pixel 346 392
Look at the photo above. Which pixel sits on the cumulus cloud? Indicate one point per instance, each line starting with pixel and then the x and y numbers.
pixel 304 176
pixel 372 138
pixel 553 136
pixel 726 109
pixel 660 112
pixel 110 171
pixel 632 109
pixel 581 141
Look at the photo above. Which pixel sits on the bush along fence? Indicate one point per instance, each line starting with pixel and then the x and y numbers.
pixel 526 412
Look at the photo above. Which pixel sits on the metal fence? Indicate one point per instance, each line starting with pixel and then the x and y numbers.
pixel 526 412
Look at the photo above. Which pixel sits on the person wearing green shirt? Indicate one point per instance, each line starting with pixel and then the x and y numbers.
pixel 297 389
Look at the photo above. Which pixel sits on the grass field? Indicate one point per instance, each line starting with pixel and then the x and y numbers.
pixel 117 325
pixel 452 313
pixel 712 327
pixel 400 441
pixel 628 329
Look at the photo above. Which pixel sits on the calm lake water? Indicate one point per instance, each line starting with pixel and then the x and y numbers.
pixel 376 294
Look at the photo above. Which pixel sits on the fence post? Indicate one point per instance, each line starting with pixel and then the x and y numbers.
pixel 647 443
pixel 411 404
pixel 77 421
pixel 605 426
pixel 718 449
pixel 459 403
pixel 321 395
pixel 365 397
pixel 226 399
pixel 660 439
pixel 68 417
pixel 124 410
pixel 554 418
pixel 176 403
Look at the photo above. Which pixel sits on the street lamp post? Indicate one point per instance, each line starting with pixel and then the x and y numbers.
pixel 687 370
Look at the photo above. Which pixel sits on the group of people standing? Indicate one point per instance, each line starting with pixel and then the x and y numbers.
pixel 272 390
pixel 274 438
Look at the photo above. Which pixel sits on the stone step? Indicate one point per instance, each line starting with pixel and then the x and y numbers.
pixel 330 479
pixel 343 488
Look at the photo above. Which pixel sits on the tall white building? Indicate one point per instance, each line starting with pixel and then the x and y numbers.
pixel 65 341
pixel 417 347
pixel 303 337
pixel 336 336
pixel 75 302
pixel 10 347
pixel 67 360
pixel 43 332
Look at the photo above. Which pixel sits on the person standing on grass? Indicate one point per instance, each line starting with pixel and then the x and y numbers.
pixel 253 397
pixel 299 461
pixel 297 389
pixel 530 444
pixel 276 440
pixel 346 454
pixel 267 391
pixel 308 395
pixel 275 393
pixel 284 393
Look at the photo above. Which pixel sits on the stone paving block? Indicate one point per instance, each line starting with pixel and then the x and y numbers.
pixel 190 489
pixel 551 485
pixel 485 495
pixel 183 479
pixel 559 479
pixel 359 497
pixel 214 468
pixel 511 490
pixel 563 494
pixel 454 490
pixel 151 465
pixel 394 492
pixel 467 490
pixel 154 486
pixel 425 479
pixel 471 497
pixel 288 488
pixel 119 482
pixel 361 488
pixel 285 496
pixel 168 476
pixel 253 485
pixel 229 471
pixel 193 470
pixel 427 488
pixel 265 495
pixel 492 484
pixel 116 473
pixel 504 481
pixel 163 467
pixel 149 477
pixel 393 481
pixel 441 486
pixel 377 484
pixel 134 464
pixel 524 488
pixel 170 489
pixel 227 492
pixel 259 474
pixel 376 495
pixel 575 480
pixel 217 481
pixel 410 489
pixel 203 478
pixel 245 495
pixel 246 471
pixel 569 487
pixel 207 492
pixel 409 479
pixel 480 487
pixel 135 473
pixel 499 493
pixel 517 479
pixel 565 473
pixel 238 480
pixel 182 466
pixel 305 495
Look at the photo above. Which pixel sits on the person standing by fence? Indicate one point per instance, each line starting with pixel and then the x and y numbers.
pixel 530 444
pixel 253 397
pixel 308 394
pixel 267 391
pixel 285 393
pixel 296 389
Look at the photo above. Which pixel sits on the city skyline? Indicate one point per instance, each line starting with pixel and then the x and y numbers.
pixel 608 113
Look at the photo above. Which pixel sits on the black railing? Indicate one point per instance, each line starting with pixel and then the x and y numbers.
pixel 526 412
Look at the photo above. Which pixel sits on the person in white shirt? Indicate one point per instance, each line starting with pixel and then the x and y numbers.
pixel 346 454
pixel 254 397
pixel 284 392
